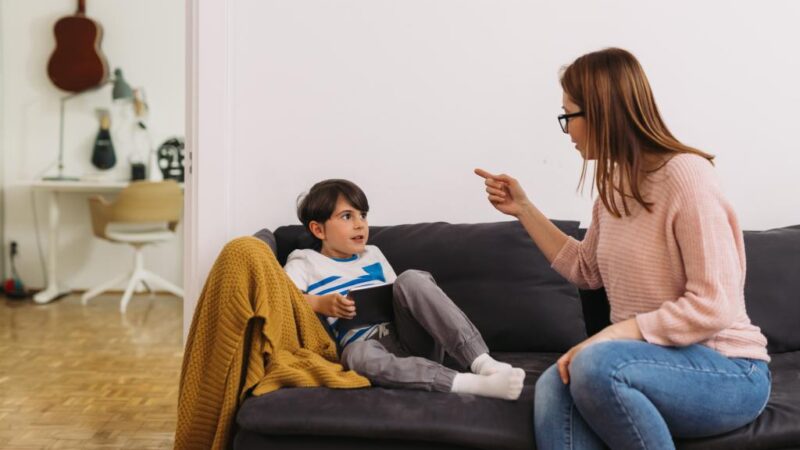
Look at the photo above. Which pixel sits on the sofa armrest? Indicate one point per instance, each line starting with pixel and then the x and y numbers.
pixel 265 235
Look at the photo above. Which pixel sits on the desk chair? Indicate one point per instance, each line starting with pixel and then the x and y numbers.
pixel 144 213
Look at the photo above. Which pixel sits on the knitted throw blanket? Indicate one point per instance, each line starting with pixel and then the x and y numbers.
pixel 249 309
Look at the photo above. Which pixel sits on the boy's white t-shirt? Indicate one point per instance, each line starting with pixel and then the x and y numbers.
pixel 317 274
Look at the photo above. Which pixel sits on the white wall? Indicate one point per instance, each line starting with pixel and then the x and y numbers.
pixel 407 97
pixel 145 38
pixel 2 156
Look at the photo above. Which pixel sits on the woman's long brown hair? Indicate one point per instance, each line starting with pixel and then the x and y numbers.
pixel 622 123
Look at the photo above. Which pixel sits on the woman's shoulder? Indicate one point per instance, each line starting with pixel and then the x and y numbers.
pixel 687 171
pixel 687 162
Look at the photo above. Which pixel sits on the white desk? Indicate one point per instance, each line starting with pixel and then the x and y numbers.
pixel 52 188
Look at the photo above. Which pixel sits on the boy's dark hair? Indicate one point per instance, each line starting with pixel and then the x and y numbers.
pixel 319 203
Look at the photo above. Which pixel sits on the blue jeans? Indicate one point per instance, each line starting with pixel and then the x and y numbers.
pixel 636 395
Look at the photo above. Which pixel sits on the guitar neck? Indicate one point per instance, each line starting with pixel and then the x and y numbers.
pixel 81 8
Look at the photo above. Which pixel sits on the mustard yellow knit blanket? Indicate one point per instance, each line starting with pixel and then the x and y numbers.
pixel 249 308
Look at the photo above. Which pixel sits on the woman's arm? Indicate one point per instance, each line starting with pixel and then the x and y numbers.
pixel 544 233
pixel 575 261
pixel 508 197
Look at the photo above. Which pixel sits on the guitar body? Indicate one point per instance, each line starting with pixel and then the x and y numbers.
pixel 77 63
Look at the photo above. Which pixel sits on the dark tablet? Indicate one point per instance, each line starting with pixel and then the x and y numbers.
pixel 373 305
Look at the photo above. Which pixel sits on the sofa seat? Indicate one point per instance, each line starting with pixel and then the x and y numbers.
pixel 778 426
pixel 376 413
pixel 393 418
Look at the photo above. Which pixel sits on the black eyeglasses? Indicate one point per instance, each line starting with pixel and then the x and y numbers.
pixel 563 120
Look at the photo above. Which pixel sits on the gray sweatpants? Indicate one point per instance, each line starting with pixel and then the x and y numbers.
pixel 426 325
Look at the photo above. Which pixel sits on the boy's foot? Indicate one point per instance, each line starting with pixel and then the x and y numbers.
pixel 506 384
pixel 486 365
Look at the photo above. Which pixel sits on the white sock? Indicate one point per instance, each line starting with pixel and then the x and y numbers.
pixel 506 384
pixel 486 365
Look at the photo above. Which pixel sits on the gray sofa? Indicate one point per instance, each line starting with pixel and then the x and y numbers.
pixel 528 315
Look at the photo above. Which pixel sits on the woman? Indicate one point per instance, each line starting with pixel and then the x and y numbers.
pixel 681 357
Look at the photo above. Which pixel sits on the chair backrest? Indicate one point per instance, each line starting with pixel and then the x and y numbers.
pixel 146 201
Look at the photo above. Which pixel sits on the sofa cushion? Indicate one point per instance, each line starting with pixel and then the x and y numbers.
pixel 772 285
pixel 269 238
pixel 248 440
pixel 778 426
pixel 378 413
pixel 492 271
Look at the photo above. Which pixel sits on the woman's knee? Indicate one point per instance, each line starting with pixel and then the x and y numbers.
pixel 602 358
pixel 550 392
pixel 591 373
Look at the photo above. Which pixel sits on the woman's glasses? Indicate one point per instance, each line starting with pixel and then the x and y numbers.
pixel 563 120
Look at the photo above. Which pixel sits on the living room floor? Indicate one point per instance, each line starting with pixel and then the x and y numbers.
pixel 87 377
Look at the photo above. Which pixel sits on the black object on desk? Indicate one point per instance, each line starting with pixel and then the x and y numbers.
pixel 170 159
pixel 103 156
pixel 138 171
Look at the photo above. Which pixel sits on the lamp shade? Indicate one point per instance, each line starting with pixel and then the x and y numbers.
pixel 122 90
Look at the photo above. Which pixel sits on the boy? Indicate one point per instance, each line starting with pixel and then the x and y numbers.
pixel 408 352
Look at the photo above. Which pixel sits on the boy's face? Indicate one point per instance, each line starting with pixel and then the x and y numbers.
pixel 345 233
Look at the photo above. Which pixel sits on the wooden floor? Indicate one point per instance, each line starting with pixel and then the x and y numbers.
pixel 86 377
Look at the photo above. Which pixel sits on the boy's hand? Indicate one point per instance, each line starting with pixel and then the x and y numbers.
pixel 336 305
pixel 505 193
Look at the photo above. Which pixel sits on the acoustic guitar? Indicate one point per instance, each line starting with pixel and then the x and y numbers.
pixel 77 63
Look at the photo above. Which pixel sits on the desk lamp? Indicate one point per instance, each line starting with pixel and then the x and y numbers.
pixel 121 91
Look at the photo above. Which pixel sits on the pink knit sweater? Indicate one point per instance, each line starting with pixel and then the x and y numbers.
pixel 679 270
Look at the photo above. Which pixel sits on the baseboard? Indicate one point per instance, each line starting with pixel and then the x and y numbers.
pixel 33 291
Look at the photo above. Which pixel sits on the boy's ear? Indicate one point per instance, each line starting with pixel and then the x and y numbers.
pixel 317 229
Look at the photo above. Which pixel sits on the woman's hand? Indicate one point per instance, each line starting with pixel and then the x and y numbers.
pixel 508 197
pixel 333 305
pixel 505 193
pixel 627 329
